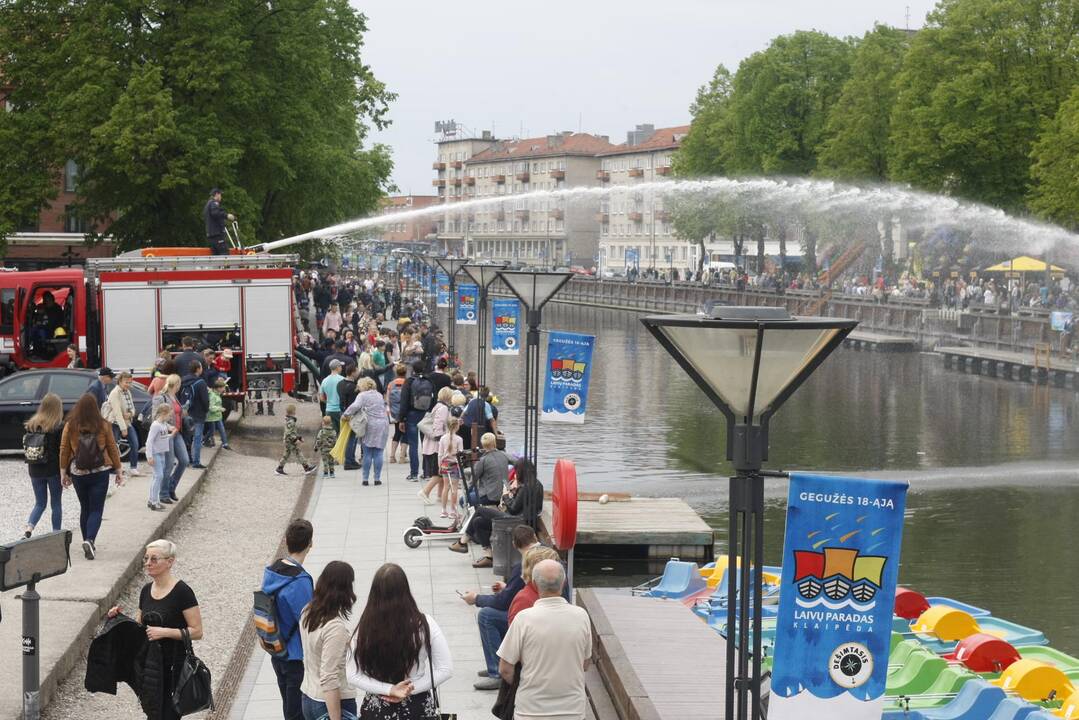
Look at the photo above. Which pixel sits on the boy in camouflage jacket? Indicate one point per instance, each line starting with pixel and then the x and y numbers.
pixel 292 442
pixel 324 442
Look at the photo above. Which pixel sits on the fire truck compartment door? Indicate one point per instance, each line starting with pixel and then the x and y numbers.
pixel 194 306
pixel 268 321
pixel 130 328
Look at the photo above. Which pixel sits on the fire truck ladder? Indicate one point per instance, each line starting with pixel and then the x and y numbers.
pixel 847 258
pixel 129 262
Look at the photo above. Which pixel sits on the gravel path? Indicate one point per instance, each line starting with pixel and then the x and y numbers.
pixel 224 539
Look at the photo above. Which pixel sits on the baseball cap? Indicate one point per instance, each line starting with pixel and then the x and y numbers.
pixel 336 364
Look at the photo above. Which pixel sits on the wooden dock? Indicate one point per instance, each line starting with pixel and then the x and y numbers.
pixel 657 660
pixel 1012 365
pixel 860 340
pixel 658 528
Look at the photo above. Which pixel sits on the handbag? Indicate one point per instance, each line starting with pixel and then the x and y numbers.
pixel 427 424
pixel 358 424
pixel 439 715
pixel 194 687
pixel 507 696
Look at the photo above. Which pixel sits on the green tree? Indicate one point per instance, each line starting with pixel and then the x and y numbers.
pixel 1055 194
pixel 158 102
pixel 781 100
pixel 706 147
pixel 976 87
pixel 858 129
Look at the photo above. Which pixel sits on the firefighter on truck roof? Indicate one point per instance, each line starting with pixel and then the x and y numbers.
pixel 215 217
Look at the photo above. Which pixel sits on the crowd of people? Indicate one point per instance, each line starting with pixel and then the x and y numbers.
pixel 385 387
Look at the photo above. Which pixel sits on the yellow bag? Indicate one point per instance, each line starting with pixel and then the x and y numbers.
pixel 338 452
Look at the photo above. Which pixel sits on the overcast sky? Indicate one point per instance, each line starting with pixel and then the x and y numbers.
pixel 594 65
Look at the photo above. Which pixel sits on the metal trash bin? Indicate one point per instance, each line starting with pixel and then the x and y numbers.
pixel 504 555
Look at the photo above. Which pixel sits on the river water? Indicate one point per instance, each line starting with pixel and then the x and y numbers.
pixel 994 485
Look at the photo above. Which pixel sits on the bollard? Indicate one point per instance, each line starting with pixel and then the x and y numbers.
pixel 31 660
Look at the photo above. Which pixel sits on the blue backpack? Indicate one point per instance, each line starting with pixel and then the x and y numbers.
pixel 268 623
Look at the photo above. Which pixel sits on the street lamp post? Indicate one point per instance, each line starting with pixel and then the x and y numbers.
pixel 748 361
pixel 451 266
pixel 483 276
pixel 534 290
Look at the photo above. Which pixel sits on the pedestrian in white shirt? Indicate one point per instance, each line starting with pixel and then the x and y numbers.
pixel 399 655
pixel 553 642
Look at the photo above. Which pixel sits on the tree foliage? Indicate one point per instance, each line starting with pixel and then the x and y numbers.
pixel 157 102
pixel 976 87
pixel 780 103
pixel 1056 167
pixel 859 124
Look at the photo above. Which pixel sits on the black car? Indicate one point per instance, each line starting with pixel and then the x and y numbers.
pixel 21 393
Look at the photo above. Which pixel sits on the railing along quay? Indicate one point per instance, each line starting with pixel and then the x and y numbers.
pixel 977 326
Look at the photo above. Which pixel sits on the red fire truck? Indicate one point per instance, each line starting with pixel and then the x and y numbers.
pixel 122 312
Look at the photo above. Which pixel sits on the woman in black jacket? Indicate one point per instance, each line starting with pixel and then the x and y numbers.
pixel 45 474
pixel 525 500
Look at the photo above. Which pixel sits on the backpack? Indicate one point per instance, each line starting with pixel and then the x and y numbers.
pixel 423 393
pixel 34 444
pixel 88 454
pixel 267 624
pixel 186 395
pixel 395 399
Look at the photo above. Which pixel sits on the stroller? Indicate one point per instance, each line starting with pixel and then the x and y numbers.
pixel 424 529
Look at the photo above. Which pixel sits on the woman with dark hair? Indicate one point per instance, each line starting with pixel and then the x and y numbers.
pixel 87 452
pixel 524 500
pixel 399 655
pixel 324 635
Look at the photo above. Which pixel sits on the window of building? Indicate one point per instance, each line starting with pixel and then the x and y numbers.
pixel 71 175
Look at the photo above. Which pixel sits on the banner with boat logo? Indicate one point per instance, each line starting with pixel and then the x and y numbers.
pixel 442 296
pixel 505 327
pixel 840 569
pixel 569 366
pixel 466 303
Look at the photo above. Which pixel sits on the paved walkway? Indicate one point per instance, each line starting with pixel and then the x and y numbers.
pixel 364 526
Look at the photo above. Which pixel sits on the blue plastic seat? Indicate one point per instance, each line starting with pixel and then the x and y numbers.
pixel 680 579
pixel 976 701
pixel 1012 709
pixel 1041 715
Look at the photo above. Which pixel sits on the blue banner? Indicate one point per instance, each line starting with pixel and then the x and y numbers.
pixel 840 569
pixel 442 297
pixel 569 366
pixel 432 282
pixel 467 303
pixel 505 327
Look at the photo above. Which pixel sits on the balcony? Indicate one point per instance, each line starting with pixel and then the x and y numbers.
pixel 499 179
pixel 663 170
pixel 558 214
pixel 662 215
pixel 458 181
pixel 438 166
pixel 521 214
pixel 636 172
pixel 603 176
pixel 604 217
pixel 439 183
pixel 469 180
pixel 635 217
pixel 522 176
pixel 457 164
pixel 558 174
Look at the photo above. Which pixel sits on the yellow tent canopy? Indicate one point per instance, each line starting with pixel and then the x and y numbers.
pixel 1023 263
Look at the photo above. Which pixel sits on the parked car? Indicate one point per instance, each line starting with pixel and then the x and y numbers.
pixel 21 393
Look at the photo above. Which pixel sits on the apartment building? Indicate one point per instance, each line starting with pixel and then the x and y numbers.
pixel 413 231
pixel 530 231
pixel 635 227
pixel 451 187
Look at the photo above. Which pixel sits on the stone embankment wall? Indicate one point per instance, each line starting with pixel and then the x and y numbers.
pixel 980 326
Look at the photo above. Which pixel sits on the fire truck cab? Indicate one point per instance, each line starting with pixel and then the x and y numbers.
pixel 123 312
